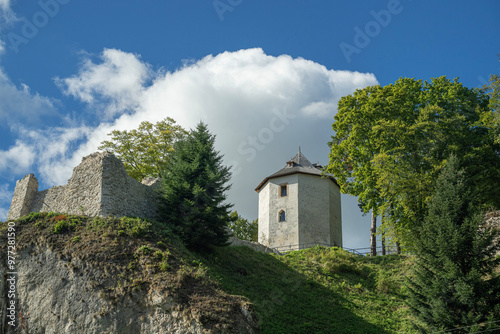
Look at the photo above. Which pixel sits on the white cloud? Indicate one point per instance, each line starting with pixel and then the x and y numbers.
pixel 260 107
pixel 5 193
pixel 3 214
pixel 5 5
pixel 5 199
pixel 18 158
pixel 20 104
pixel 7 16
pixel 114 85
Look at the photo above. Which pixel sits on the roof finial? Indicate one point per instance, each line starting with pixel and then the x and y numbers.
pixel 299 149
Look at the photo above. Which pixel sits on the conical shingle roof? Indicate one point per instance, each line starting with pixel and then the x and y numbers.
pixel 298 164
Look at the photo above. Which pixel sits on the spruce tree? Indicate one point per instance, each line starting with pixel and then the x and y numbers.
pixel 454 285
pixel 194 185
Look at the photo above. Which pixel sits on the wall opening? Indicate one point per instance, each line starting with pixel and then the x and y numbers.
pixel 282 216
pixel 283 190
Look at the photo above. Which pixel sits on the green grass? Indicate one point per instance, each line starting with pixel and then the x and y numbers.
pixel 318 290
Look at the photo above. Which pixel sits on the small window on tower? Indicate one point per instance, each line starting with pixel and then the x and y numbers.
pixel 283 191
pixel 282 216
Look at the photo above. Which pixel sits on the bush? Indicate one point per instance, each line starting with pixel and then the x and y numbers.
pixel 61 227
pixel 144 250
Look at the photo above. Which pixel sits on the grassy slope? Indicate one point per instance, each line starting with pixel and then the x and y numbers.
pixel 319 290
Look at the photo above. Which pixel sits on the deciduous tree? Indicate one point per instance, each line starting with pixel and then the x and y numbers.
pixel 144 151
pixel 390 143
pixel 243 228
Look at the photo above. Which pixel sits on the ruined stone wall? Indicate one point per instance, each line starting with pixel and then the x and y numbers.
pixel 99 186
pixel 26 191
pixel 124 196
pixel 82 194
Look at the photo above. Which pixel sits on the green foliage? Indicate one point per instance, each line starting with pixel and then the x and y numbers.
pixel 242 228
pixel 390 143
pixel 146 150
pixel 135 227
pixel 144 249
pixel 317 290
pixel 61 227
pixel 33 217
pixel 164 266
pixel 454 283
pixel 162 258
pixel 194 186
pixel 132 265
pixel 492 88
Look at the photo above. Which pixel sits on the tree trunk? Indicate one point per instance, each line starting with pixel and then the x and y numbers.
pixel 383 244
pixel 398 248
pixel 373 237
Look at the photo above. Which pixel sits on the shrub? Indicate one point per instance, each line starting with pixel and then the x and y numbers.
pixel 61 227
pixel 144 249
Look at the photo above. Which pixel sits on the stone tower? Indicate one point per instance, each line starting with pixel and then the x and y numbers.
pixel 299 208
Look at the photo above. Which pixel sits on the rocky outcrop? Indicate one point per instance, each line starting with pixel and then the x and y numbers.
pixel 62 295
pixel 96 279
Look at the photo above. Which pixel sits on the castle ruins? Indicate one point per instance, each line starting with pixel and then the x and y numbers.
pixel 99 186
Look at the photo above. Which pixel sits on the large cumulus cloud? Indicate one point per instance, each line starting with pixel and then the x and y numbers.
pixel 261 108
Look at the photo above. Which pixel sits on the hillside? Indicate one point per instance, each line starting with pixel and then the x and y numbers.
pixel 129 275
pixel 318 290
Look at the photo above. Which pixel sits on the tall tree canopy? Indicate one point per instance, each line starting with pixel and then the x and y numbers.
pixel 194 185
pixel 144 151
pixel 492 88
pixel 390 143
pixel 455 284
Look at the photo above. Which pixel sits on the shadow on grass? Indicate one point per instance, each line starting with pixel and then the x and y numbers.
pixel 285 300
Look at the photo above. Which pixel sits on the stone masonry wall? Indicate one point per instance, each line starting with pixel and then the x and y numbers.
pixel 99 186
pixel 26 190
pixel 312 208
pixel 124 196
pixel 82 194
pixel 272 232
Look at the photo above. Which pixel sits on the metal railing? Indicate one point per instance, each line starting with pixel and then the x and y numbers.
pixel 389 250
pixel 289 248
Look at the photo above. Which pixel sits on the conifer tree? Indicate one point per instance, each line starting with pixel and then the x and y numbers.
pixel 194 185
pixel 454 284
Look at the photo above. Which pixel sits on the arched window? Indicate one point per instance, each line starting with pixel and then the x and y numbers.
pixel 282 216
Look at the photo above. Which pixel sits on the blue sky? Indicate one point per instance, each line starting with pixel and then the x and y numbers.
pixel 265 76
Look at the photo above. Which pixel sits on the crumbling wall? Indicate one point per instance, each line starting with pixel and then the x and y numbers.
pixel 25 192
pixel 124 196
pixel 99 186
